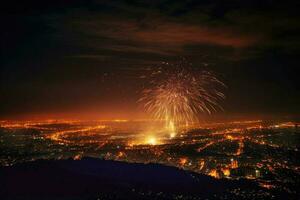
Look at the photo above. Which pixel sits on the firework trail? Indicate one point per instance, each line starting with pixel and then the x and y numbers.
pixel 177 93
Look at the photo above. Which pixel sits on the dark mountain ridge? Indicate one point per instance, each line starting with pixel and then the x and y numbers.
pixel 92 178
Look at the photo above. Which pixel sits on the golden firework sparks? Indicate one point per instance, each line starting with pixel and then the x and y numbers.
pixel 177 94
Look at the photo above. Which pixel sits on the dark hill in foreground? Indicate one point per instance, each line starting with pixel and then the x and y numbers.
pixel 91 178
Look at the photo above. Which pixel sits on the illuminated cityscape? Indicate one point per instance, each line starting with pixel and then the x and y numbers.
pixel 150 100
pixel 265 153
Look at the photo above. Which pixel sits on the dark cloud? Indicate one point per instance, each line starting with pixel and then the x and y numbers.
pixel 72 55
pixel 162 33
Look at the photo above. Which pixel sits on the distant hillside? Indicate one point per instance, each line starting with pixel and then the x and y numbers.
pixel 92 178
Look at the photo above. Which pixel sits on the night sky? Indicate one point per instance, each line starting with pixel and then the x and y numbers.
pixel 72 58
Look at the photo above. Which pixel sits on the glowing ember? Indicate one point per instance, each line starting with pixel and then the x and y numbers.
pixel 214 173
pixel 182 161
pixel 226 172
pixel 151 140
pixel 234 163
pixel 172 135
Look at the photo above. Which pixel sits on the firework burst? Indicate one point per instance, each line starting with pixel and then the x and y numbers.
pixel 177 93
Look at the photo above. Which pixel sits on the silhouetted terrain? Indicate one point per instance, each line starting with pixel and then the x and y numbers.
pixel 91 178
